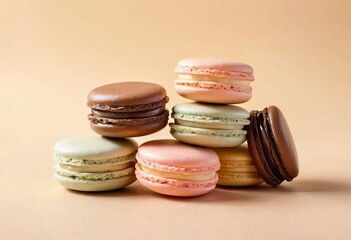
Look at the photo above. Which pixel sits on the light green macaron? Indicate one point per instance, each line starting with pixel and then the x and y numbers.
pixel 95 163
pixel 209 125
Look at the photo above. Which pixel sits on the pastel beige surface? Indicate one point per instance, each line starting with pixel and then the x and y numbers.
pixel 54 53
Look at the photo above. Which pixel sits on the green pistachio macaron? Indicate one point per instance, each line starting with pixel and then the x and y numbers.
pixel 209 125
pixel 95 163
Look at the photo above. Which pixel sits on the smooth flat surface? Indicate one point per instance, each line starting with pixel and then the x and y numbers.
pixel 53 53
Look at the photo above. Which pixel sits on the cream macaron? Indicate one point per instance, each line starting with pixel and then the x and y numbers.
pixel 209 125
pixel 95 163
pixel 237 167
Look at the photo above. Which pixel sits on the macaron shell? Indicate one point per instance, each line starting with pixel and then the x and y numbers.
pixel 110 130
pixel 93 147
pixel 211 110
pixel 237 154
pixel 173 190
pixel 215 67
pixel 208 141
pixel 284 141
pixel 127 93
pixel 94 186
pixel 236 179
pixel 169 152
pixel 207 137
pixel 217 124
pixel 212 95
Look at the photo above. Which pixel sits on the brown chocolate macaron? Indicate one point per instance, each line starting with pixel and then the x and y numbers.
pixel 271 146
pixel 128 109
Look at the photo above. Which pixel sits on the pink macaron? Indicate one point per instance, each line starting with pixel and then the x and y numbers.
pixel 173 168
pixel 214 80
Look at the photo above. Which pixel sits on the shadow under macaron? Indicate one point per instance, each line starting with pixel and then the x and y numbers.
pixel 131 190
pixel 318 186
pixel 216 195
pixel 296 186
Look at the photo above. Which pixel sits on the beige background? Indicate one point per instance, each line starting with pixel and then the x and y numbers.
pixel 52 53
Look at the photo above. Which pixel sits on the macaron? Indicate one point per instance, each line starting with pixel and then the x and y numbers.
pixel 209 125
pixel 128 109
pixel 173 168
pixel 272 146
pixel 95 163
pixel 214 80
pixel 237 168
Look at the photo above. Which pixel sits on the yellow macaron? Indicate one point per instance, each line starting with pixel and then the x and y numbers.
pixel 237 168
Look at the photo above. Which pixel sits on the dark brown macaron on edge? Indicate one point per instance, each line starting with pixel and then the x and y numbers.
pixel 271 146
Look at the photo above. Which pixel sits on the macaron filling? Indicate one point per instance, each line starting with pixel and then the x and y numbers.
pixel 97 169
pixel 176 175
pixel 139 114
pixel 183 69
pixel 214 85
pixel 129 121
pixel 206 78
pixel 94 176
pixel 86 162
pixel 238 179
pixel 95 166
pixel 243 175
pixel 154 179
pixel 177 169
pixel 207 132
pixel 207 121
pixel 239 166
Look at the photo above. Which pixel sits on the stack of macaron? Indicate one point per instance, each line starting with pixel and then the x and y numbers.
pixel 214 84
pixel 210 131
pixel 107 161
pixel 213 121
